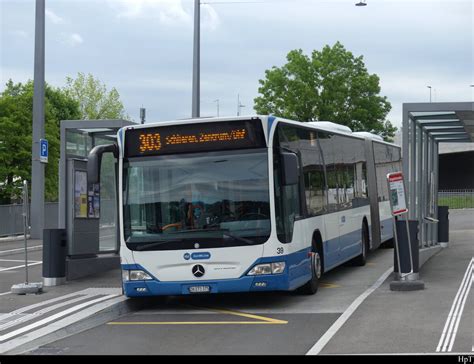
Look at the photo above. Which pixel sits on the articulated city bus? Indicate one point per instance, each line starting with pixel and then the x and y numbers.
pixel 246 204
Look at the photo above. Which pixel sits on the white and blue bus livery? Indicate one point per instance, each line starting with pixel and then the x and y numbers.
pixel 246 204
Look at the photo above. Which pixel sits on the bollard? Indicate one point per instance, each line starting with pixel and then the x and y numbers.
pixel 54 257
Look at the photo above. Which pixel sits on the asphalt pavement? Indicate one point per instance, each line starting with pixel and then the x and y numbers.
pixel 265 323
pixel 354 312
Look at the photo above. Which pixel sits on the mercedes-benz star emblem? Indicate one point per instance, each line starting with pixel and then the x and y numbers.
pixel 198 271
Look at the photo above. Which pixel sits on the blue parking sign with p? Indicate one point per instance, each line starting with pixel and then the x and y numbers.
pixel 43 151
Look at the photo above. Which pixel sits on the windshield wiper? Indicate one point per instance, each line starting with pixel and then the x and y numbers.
pixel 224 232
pixel 239 238
pixel 153 245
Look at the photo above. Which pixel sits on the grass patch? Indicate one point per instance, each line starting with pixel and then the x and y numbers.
pixel 457 202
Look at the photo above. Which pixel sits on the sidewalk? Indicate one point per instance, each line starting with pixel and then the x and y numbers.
pixel 31 320
pixel 413 322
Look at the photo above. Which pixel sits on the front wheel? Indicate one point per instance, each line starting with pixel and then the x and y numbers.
pixel 311 287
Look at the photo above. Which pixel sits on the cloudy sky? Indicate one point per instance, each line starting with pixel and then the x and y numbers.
pixel 144 47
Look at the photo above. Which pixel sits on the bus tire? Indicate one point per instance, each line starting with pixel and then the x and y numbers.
pixel 311 287
pixel 361 259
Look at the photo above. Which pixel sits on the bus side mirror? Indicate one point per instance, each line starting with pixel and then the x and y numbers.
pixel 94 161
pixel 290 174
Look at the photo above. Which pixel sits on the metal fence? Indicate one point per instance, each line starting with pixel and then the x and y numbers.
pixel 456 199
pixel 11 220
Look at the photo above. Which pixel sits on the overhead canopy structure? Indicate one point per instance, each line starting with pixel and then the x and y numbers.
pixel 425 126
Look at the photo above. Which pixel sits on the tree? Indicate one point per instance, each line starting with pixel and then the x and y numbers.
pixel 330 85
pixel 95 102
pixel 16 115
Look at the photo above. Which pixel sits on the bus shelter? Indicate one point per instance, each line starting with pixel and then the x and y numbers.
pixel 425 126
pixel 88 216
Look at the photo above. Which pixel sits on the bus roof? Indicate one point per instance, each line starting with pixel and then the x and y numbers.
pixel 319 125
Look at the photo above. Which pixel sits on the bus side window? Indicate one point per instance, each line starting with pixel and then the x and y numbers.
pixel 287 198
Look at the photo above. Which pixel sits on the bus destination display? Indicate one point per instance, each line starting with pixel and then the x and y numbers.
pixel 193 138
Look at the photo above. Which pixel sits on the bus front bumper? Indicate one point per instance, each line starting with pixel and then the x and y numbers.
pixel 277 282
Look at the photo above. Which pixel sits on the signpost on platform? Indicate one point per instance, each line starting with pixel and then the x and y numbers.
pixel 398 207
pixel 27 287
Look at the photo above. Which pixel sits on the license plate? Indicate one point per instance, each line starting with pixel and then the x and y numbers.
pixel 200 289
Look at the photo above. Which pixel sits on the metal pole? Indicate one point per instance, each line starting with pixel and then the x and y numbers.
pixel 424 185
pixel 238 105
pixel 405 144
pixel 409 244
pixel 436 185
pixel 196 60
pixel 419 173
pixel 37 168
pixel 412 186
pixel 397 246
pixel 25 226
pixel 26 287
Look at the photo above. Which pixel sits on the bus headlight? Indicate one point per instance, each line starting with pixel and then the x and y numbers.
pixel 278 267
pixel 269 268
pixel 135 275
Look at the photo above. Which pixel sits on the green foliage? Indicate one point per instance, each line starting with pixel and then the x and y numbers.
pixel 330 85
pixel 16 116
pixel 95 102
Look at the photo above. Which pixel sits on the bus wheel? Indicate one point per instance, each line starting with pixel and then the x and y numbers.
pixel 361 259
pixel 311 287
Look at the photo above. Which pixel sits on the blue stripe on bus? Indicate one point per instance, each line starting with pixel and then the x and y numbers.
pixel 297 273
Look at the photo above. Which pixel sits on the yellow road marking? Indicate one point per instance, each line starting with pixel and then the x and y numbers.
pixel 199 323
pixel 260 320
pixel 247 315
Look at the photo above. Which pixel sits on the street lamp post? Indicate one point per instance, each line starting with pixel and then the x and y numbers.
pixel 196 60
pixel 37 168
pixel 217 104
pixel 430 91
pixel 239 105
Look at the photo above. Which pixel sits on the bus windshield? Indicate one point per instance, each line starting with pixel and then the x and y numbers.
pixel 199 200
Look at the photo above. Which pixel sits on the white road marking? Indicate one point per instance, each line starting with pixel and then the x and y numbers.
pixel 4 293
pixel 328 335
pixel 18 260
pixel 21 319
pixel 449 333
pixel 19 266
pixel 63 323
pixel 54 317
pixel 19 250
